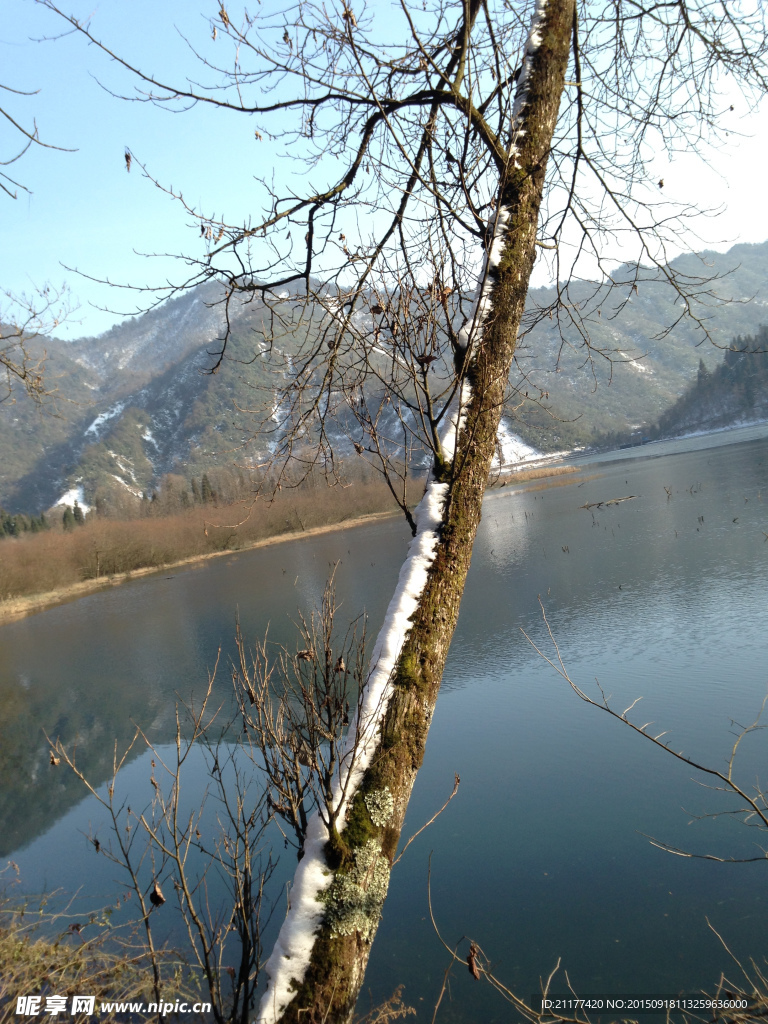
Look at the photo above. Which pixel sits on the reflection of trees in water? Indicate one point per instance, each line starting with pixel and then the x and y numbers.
pixel 33 794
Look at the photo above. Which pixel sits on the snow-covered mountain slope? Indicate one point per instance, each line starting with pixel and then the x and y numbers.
pixel 136 403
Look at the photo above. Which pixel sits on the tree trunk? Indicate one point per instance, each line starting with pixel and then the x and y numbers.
pixel 339 956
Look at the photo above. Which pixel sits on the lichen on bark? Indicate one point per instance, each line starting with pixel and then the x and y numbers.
pixel 354 900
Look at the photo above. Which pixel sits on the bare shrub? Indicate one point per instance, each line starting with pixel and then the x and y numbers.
pixel 64 953
pixel 282 754
pixel 295 709
pixel 162 854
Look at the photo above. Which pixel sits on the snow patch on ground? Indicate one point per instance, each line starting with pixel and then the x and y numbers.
pixel 516 454
pixel 635 363
pixel 128 487
pixel 513 449
pixel 703 431
pixel 124 465
pixel 102 418
pixel 74 494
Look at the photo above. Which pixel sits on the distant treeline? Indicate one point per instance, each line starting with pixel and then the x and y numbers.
pixel 15 526
pixel 163 531
pixel 174 495
pixel 735 391
pixel 19 524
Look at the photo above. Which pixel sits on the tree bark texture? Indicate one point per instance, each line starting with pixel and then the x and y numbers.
pixel 335 975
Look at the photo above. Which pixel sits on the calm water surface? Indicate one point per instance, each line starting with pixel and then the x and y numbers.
pixel 544 854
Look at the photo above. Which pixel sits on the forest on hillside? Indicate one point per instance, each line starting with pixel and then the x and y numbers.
pixel 735 391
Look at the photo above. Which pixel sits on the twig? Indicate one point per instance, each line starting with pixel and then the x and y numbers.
pixel 457 780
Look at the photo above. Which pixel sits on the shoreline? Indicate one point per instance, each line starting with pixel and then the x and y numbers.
pixel 15 608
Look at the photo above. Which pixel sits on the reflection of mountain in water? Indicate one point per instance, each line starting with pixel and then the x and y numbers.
pixel 91 702
pixel 658 597
pixel 89 671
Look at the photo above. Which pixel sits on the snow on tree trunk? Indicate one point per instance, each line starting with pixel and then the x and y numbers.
pixel 317 967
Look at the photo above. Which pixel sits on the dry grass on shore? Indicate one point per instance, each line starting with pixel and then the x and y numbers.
pixel 41 569
pixel 45 953
pixel 520 476
pixel 58 560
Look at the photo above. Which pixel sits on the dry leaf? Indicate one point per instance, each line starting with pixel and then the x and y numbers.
pixel 156 897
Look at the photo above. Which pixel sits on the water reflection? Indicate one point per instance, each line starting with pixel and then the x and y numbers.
pixel 542 854
pixel 89 670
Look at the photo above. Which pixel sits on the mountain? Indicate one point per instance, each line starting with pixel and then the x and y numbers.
pixel 591 395
pixel 136 402
pixel 736 391
pixel 140 348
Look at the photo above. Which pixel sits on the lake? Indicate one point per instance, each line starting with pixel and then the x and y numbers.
pixel 544 853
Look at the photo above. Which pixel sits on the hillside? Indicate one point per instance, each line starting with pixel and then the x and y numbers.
pixel 736 391
pixel 145 406
pixel 649 372
pixel 136 403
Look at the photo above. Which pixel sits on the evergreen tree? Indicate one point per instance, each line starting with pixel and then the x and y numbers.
pixel 749 383
pixel 14 526
pixel 68 520
pixel 77 515
pixel 196 491
pixel 208 493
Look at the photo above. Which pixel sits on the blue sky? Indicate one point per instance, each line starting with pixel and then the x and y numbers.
pixel 85 211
